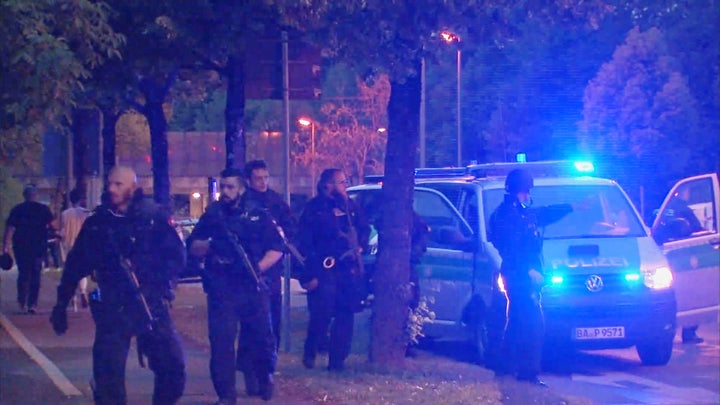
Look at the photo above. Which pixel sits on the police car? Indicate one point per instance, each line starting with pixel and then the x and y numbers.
pixel 609 283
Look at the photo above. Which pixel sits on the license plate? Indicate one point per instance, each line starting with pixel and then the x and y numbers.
pixel 605 332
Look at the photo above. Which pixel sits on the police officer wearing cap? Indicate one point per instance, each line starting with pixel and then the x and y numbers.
pixel 515 232
pixel 333 232
pixel 238 244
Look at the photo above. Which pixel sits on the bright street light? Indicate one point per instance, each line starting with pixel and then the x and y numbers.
pixel 307 122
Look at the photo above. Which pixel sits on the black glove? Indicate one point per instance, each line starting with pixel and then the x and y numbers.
pixel 58 319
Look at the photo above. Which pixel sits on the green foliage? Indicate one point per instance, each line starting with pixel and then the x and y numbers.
pixel 206 115
pixel 10 195
pixel 48 49
pixel 347 133
pixel 641 116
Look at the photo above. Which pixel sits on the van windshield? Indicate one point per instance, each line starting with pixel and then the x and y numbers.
pixel 607 211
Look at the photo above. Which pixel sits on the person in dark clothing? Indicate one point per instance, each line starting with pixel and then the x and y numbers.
pixel 515 233
pixel 333 232
pixel 259 193
pixel 127 240
pixel 681 210
pixel 239 245
pixel 27 227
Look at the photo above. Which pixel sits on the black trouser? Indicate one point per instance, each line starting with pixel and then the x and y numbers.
pixel 523 339
pixel 113 334
pixel 245 307
pixel 28 282
pixel 325 304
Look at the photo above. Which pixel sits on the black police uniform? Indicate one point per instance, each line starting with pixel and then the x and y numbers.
pixel 145 239
pixel 514 231
pixel 235 299
pixel 324 239
pixel 279 211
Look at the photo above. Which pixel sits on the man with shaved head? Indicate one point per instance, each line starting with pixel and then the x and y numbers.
pixel 127 235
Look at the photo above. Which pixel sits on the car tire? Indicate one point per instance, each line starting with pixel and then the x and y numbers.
pixel 655 352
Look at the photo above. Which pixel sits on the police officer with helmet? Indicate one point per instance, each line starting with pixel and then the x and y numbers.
pixel 515 232
pixel 238 244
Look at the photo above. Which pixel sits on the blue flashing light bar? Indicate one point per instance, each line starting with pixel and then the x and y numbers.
pixel 584 167
pixel 562 168
pixel 556 279
pixel 632 277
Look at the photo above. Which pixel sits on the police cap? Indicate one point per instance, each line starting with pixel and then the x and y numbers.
pixel 517 181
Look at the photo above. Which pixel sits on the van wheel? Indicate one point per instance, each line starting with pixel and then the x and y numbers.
pixel 655 352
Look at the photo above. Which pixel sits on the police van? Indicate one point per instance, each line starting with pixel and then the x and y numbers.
pixel 611 281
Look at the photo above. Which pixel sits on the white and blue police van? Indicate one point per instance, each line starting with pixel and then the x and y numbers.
pixel 611 281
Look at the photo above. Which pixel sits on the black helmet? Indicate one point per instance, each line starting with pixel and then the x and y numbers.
pixel 6 262
pixel 518 180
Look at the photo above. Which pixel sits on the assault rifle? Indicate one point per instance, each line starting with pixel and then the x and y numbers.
pixel 142 315
pixel 240 252
pixel 288 245
pixel 146 318
pixel 352 238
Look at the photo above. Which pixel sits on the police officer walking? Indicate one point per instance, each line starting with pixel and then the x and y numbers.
pixel 332 234
pixel 133 254
pixel 515 232
pixel 239 245
pixel 261 195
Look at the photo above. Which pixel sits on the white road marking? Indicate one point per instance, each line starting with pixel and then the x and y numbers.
pixel 649 391
pixel 52 371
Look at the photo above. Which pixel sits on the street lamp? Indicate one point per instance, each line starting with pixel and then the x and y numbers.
pixel 450 38
pixel 307 122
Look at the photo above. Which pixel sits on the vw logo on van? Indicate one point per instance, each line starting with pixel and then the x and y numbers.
pixel 594 283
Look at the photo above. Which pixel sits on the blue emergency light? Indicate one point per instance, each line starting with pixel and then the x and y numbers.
pixel 556 280
pixel 632 277
pixel 584 167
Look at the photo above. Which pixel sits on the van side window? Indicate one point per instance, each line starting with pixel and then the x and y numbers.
pixel 446 229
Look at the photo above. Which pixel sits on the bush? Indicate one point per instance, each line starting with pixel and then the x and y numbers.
pixel 10 195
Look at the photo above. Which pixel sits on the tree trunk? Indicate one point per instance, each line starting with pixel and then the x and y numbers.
pixel 235 112
pixel 110 117
pixel 153 110
pixel 391 295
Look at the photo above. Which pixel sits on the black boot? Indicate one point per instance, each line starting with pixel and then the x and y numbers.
pixel 266 386
pixel 252 386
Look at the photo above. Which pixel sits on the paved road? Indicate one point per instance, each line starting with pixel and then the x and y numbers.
pixel 617 377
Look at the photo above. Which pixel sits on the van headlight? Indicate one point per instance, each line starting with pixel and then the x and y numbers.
pixel 658 279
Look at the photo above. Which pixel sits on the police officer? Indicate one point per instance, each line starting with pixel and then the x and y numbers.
pixel 238 245
pixel 515 232
pixel 260 194
pixel 333 232
pixel 127 240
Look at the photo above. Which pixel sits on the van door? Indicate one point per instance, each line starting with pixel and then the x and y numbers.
pixel 686 228
pixel 446 269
